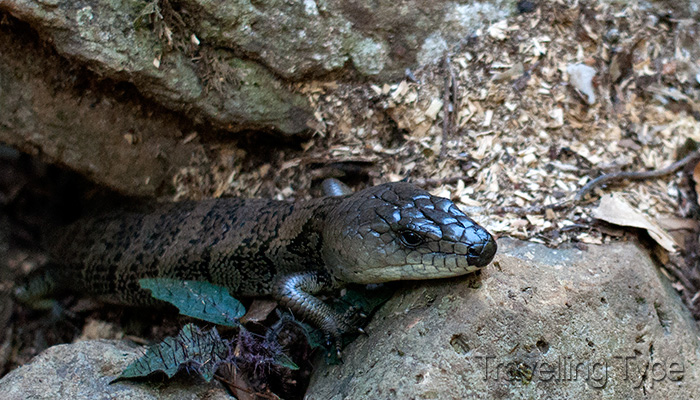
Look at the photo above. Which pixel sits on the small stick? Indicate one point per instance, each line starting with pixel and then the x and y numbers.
pixel 448 107
pixel 634 176
pixel 443 181
pixel 233 385
pixel 533 209
pixel 608 178
pixel 455 98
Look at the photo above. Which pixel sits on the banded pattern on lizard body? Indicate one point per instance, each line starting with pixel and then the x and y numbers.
pixel 257 247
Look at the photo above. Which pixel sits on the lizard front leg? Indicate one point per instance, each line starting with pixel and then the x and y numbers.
pixel 296 291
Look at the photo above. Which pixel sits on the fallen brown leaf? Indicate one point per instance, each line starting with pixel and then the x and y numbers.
pixel 616 210
pixel 259 310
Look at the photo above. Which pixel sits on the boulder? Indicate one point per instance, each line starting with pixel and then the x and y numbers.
pixel 115 40
pixel 97 130
pixel 599 322
pixel 84 370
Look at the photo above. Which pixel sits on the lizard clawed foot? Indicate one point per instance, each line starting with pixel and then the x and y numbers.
pixel 353 318
pixel 334 341
pixel 348 323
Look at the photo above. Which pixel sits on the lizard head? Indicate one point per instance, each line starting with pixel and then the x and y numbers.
pixel 397 231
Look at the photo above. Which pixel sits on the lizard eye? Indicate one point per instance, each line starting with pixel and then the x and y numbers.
pixel 410 238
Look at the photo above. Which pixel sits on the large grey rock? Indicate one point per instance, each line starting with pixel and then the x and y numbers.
pixel 600 323
pixel 107 36
pixel 376 38
pixel 86 130
pixel 83 370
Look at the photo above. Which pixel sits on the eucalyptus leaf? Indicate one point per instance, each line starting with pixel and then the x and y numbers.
pixel 197 299
pixel 285 361
pixel 192 349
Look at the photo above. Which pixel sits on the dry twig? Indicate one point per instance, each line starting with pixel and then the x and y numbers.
pixel 635 175
pixel 231 384
pixel 539 209
pixel 601 180
pixel 449 103
pixel 443 181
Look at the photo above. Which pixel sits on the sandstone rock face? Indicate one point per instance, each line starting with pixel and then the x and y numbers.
pixel 111 39
pixel 377 39
pixel 600 323
pixel 83 370
pixel 232 66
pixel 87 132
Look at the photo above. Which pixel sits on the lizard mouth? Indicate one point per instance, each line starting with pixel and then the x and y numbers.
pixel 480 255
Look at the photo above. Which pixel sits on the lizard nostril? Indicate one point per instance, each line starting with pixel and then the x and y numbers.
pixel 488 251
pixel 480 255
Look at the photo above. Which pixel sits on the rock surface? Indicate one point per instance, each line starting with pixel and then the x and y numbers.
pixel 377 39
pixel 600 323
pixel 241 65
pixel 83 370
pixel 86 128
pixel 113 38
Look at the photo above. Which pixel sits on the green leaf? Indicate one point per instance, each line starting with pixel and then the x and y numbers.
pixel 314 336
pixel 203 352
pixel 197 299
pixel 285 361
pixel 367 300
